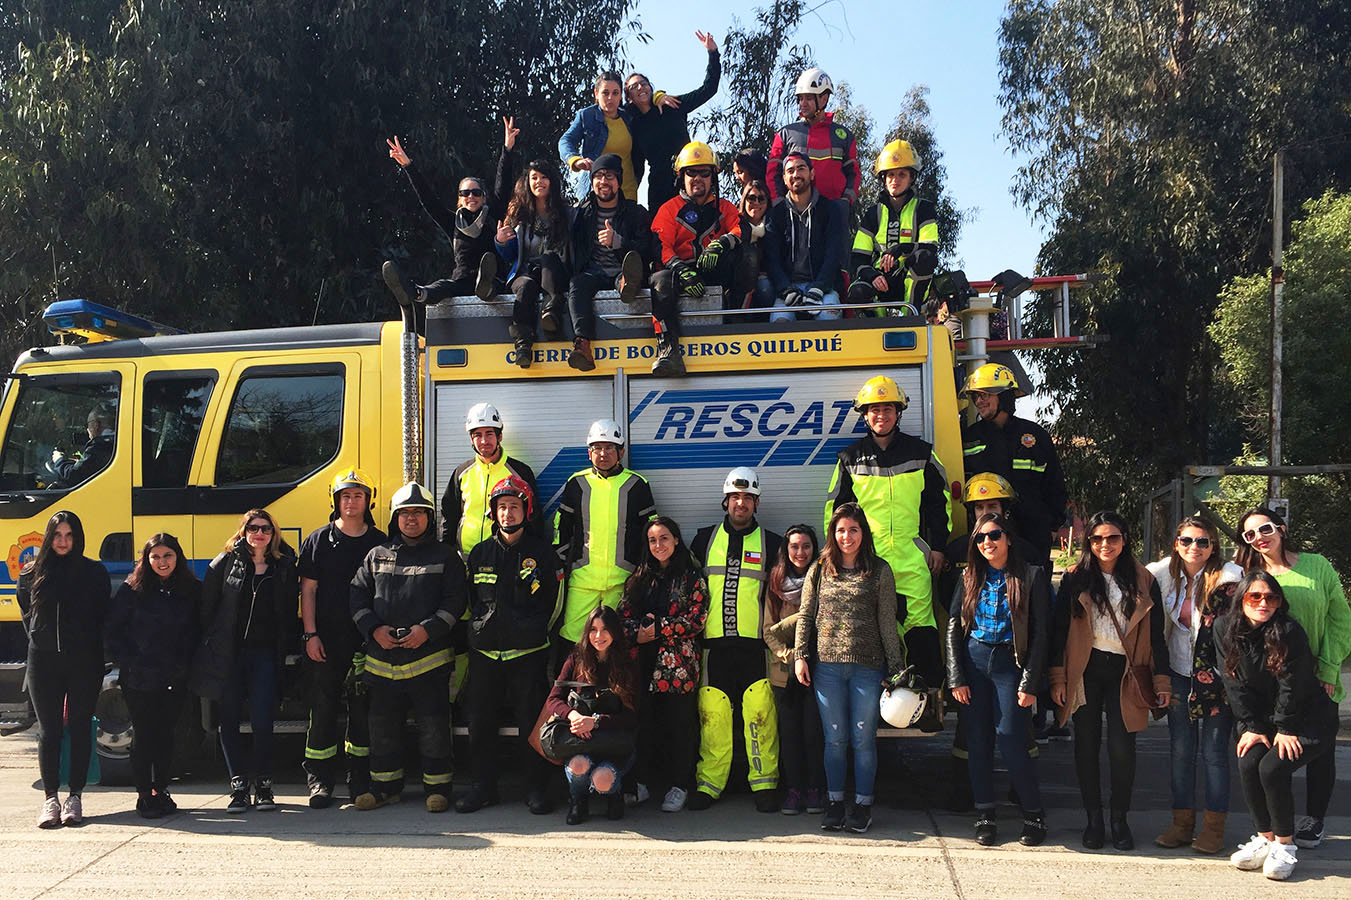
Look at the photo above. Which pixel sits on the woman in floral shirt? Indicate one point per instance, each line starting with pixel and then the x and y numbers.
pixel 664 606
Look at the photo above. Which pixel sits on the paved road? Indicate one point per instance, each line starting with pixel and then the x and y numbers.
pixel 916 847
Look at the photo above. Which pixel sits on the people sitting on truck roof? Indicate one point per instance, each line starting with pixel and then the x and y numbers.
pixel 895 248
pixel 804 243
pixel 660 121
pixel 753 289
pixel 736 699
pixel 598 529
pixel 611 246
pixel 469 229
pixel 700 235
pixel 603 128
pixel 63 599
pixel 68 471
pixel 802 767
pixel 902 486
pixel 532 239
pixel 664 607
pixel 249 600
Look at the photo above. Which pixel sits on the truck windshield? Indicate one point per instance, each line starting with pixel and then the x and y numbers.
pixel 62 431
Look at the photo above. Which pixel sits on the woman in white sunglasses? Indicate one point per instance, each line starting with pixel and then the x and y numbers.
pixel 1313 591
pixel 1198 713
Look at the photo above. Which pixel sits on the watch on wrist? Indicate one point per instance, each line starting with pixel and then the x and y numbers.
pixel 305 638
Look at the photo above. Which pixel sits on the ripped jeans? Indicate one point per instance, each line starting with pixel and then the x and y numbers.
pixel 847 695
pixel 582 771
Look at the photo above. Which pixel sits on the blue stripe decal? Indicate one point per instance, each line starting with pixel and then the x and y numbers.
pixel 642 405
pixel 792 453
pixel 830 450
pixel 723 395
pixel 706 455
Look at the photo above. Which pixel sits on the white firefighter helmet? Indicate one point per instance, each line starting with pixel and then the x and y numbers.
pixel 902 707
pixel 814 81
pixel 605 431
pixel 482 415
pixel 741 480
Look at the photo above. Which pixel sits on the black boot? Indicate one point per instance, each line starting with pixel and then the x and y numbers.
pixel 670 363
pixel 578 811
pixel 986 830
pixel 632 277
pixel 1122 839
pixel 1093 833
pixel 552 317
pixel 525 353
pixel 487 272
pixel 403 289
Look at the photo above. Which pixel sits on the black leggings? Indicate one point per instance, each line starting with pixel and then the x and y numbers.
pixel 549 277
pixel 63 689
pixel 802 743
pixel 154 715
pixel 1321 779
pixel 1102 694
pixel 1265 780
pixel 668 740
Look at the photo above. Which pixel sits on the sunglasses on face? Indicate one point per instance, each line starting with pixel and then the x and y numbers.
pixel 756 198
pixel 1257 598
pixel 994 536
pixel 1202 543
pixel 471 192
pixel 1098 539
pixel 637 84
pixel 257 529
pixel 699 173
pixel 1266 529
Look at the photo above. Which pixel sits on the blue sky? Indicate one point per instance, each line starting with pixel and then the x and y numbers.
pixel 881 49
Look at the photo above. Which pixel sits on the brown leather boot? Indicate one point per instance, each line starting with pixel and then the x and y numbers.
pixel 1211 838
pixel 580 358
pixel 1180 832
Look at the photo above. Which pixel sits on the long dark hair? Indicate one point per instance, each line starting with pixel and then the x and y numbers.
pixel 273 551
pixel 181 575
pixel 977 567
pixel 649 570
pixel 616 669
pixel 1087 575
pixel 1210 572
pixel 1272 631
pixel 782 565
pixel 47 557
pixel 521 209
pixel 831 558
pixel 1246 555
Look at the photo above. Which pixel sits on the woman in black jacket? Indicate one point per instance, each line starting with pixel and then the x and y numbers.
pixel 248 622
pixel 151 633
pixel 1283 716
pixel 63 598
pixel 998 644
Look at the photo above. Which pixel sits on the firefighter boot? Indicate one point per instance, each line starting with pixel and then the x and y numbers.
pixel 669 364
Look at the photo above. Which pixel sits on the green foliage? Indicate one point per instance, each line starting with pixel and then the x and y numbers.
pixel 1146 132
pixel 215 164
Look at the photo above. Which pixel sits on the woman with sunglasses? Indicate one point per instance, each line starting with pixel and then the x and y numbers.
pixel 249 621
pixel 1284 715
pixel 753 285
pixel 1187 580
pixel 1108 617
pixel 1313 590
pixel 998 636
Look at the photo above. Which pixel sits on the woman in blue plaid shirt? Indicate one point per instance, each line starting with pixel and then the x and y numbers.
pixel 998 636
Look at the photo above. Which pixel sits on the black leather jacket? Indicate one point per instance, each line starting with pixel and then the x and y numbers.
pixel 1031 629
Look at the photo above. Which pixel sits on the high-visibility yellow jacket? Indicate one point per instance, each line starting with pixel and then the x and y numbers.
pixel 464 508
pixel 736 564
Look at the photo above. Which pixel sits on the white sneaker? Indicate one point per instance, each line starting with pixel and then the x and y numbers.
pixel 50 817
pixel 1280 861
pixel 640 796
pixel 675 800
pixel 1251 855
pixel 72 813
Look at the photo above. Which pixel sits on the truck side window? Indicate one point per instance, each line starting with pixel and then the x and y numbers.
pixel 63 431
pixel 171 421
pixel 280 429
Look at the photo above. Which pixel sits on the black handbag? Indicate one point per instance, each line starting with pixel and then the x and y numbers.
pixel 558 743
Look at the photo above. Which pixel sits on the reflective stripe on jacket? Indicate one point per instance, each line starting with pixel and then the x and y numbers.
pixel 737 566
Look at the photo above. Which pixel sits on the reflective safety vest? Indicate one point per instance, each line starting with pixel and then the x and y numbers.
pixel 605 508
pixel 903 232
pixel 736 584
pixel 470 484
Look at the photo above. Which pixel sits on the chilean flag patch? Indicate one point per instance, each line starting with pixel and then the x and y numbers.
pixel 751 558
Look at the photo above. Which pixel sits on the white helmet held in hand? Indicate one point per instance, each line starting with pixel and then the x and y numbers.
pixel 482 415
pixel 605 431
pixel 741 480
pixel 814 81
pixel 902 707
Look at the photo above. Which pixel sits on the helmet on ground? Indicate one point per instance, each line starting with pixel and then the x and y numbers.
pixel 880 389
pixel 512 486
pixel 741 480
pixel 814 81
pixel 605 431
pixel 352 478
pixel 411 496
pixel 482 415
pixel 695 153
pixel 897 154
pixel 988 486
pixel 992 378
pixel 902 707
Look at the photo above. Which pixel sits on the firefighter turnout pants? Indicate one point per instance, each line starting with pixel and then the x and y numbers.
pixel 735 671
pixel 336 684
pixel 518 685
pixel 428 697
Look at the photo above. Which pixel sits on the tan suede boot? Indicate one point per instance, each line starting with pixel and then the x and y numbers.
pixel 1180 832
pixel 1211 838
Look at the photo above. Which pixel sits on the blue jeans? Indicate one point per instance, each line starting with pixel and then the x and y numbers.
pixel 822 312
pixel 994 717
pixel 578 785
pixel 848 696
pixel 1217 745
pixel 255 675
